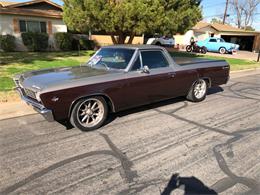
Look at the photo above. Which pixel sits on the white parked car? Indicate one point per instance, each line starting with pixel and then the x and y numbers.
pixel 161 41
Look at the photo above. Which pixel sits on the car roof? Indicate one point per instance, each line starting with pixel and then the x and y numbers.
pixel 127 46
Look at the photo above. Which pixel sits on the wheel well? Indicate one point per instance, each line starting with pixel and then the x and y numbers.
pixel 109 102
pixel 208 80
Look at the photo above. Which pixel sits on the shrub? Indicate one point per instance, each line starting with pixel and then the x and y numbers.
pixel 86 44
pixel 63 40
pixel 82 43
pixel 7 42
pixel 35 41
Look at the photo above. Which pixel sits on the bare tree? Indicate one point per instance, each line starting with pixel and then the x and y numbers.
pixel 244 11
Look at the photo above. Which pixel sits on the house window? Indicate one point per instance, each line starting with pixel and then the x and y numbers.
pixel 32 26
pixel 22 26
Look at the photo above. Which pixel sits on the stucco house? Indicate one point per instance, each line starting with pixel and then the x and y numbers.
pixel 248 40
pixel 35 16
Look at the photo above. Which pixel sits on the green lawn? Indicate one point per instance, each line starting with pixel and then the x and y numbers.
pixel 18 62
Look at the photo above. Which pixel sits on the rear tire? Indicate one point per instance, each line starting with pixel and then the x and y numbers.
pixel 158 44
pixel 203 50
pixel 89 113
pixel 198 91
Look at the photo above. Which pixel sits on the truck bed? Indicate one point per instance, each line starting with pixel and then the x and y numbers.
pixel 188 61
pixel 185 63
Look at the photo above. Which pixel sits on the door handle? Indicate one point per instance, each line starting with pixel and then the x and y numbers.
pixel 172 75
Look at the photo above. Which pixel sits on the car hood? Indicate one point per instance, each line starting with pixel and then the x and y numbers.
pixel 42 79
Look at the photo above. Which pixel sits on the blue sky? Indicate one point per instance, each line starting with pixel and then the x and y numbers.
pixel 216 9
pixel 211 9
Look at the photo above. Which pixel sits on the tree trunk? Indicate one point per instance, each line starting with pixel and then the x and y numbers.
pixel 121 38
pixel 114 40
pixel 131 38
pixel 118 39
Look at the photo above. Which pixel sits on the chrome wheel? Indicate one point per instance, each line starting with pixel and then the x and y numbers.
pixel 90 112
pixel 200 89
pixel 222 50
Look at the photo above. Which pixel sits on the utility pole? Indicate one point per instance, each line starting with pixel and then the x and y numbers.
pixel 225 13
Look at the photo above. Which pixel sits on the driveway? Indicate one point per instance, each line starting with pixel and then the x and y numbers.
pixel 175 146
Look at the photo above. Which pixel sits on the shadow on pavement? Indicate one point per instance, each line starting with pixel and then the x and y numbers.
pixel 190 185
pixel 113 116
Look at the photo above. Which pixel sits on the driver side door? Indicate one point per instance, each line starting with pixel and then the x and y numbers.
pixel 158 83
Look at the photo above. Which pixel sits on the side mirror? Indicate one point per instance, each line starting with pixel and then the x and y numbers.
pixel 146 70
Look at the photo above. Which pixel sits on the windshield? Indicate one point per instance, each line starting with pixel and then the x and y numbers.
pixel 220 40
pixel 111 58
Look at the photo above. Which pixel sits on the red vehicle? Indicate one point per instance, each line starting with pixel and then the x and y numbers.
pixel 114 79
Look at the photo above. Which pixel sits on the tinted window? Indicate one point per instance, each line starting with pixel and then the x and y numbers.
pixel 137 64
pixel 212 40
pixel 154 59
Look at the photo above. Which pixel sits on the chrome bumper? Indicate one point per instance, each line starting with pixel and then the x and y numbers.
pixel 46 113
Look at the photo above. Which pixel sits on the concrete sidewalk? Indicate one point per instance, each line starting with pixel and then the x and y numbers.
pixel 19 108
pixel 14 109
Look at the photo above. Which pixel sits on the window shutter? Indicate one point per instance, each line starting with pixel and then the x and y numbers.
pixel 16 25
pixel 49 27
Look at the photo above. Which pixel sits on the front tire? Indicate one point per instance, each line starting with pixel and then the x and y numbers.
pixel 89 113
pixel 222 50
pixel 189 48
pixel 198 91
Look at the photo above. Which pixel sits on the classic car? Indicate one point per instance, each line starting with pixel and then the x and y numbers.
pixel 117 78
pixel 218 45
pixel 167 41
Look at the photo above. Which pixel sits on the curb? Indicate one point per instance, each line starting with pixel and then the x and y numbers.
pixel 15 109
pixel 245 70
pixel 242 73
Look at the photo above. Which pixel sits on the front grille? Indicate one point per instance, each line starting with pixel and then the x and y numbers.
pixel 29 93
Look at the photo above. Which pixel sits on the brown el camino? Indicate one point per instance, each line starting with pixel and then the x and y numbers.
pixel 114 79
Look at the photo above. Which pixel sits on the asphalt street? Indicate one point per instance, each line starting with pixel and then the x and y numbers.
pixel 172 147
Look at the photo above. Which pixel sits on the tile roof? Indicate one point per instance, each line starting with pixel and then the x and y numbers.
pixel 14 8
pixel 6 3
pixel 200 25
pixel 220 27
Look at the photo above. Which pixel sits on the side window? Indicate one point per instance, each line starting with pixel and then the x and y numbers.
pixel 154 59
pixel 137 64
pixel 212 40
